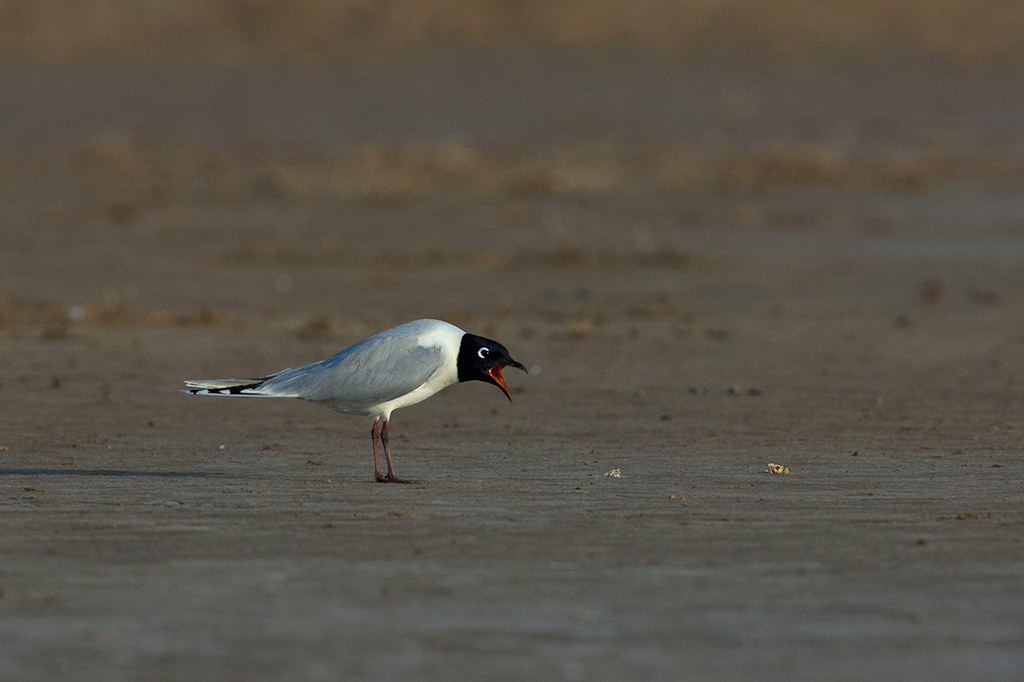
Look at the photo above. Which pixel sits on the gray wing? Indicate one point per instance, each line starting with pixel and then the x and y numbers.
pixel 376 370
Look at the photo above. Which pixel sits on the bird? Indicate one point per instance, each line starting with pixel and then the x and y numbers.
pixel 394 368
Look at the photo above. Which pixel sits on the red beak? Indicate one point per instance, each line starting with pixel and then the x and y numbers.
pixel 495 374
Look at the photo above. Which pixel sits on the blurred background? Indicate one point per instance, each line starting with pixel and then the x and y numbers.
pixel 721 233
pixel 179 160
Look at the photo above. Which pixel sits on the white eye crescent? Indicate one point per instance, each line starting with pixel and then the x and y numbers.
pixel 483 353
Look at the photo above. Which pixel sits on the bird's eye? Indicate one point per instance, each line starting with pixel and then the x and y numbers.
pixel 483 353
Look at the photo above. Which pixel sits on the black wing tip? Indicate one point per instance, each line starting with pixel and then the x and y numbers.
pixel 227 390
pixel 235 390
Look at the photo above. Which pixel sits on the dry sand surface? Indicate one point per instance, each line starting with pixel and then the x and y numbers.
pixel 707 270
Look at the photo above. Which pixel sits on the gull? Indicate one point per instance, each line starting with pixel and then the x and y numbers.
pixel 395 368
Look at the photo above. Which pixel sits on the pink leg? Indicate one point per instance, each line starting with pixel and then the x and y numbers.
pixel 376 457
pixel 387 455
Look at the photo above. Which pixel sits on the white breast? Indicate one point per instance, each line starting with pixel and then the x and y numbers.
pixel 447 338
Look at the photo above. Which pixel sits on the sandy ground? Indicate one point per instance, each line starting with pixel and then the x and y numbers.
pixel 705 272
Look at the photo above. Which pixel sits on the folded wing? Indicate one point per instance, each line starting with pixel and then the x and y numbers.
pixel 372 371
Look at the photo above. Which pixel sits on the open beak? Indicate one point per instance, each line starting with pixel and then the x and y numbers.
pixel 495 374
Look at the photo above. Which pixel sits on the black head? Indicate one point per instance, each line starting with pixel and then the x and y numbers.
pixel 481 359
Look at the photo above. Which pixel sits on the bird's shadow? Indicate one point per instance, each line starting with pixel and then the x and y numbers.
pixel 108 472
